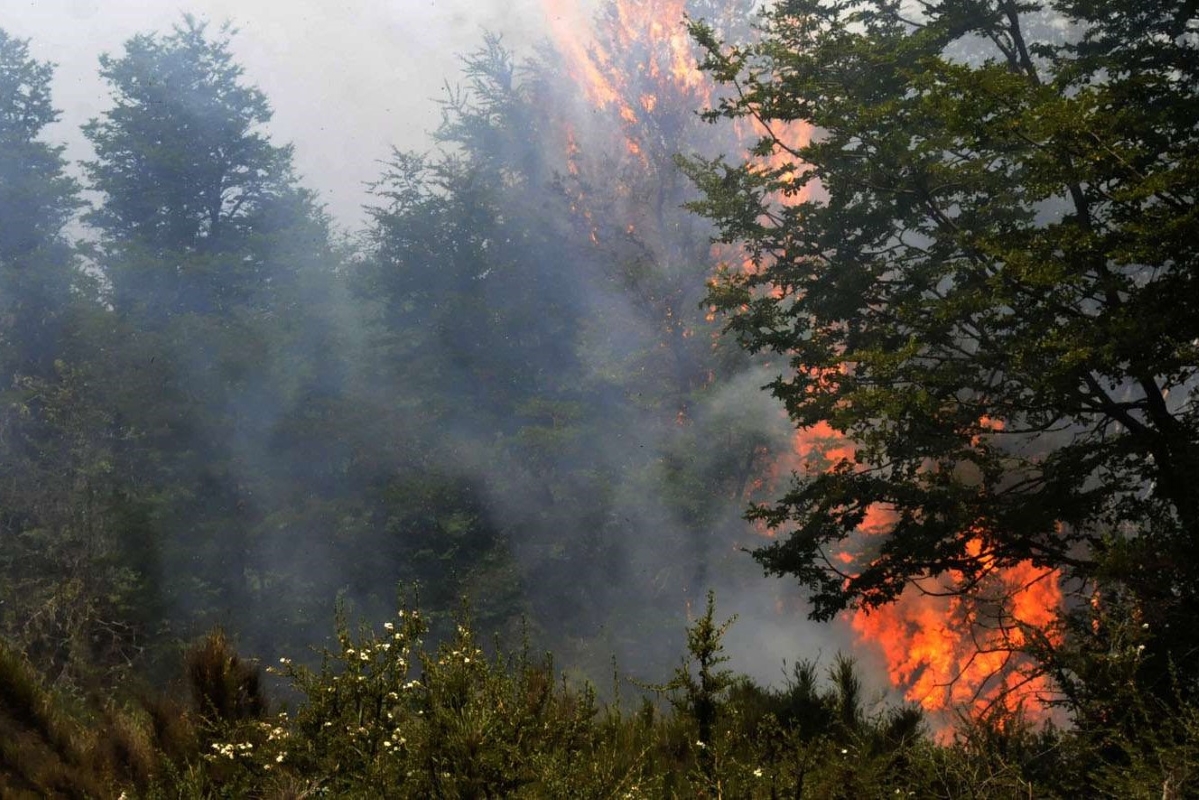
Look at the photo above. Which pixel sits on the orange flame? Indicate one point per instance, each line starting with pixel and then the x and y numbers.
pixel 950 650
pixel 565 23
pixel 651 33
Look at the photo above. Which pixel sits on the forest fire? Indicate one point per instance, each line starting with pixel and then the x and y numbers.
pixel 947 652
pixel 651 27
pixel 954 652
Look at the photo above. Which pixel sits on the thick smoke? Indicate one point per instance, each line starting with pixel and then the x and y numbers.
pixel 505 386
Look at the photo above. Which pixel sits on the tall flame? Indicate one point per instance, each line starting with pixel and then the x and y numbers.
pixel 647 33
pixel 946 652
pixel 653 28
pixel 566 22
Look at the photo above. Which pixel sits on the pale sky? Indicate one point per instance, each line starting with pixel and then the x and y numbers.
pixel 346 79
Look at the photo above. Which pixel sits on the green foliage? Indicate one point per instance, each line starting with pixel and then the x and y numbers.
pixel 382 713
pixel 180 156
pixel 73 575
pixel 37 197
pixel 700 686
pixel 220 346
pixel 79 563
pixel 37 264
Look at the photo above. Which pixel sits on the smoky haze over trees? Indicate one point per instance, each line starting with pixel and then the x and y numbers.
pixel 505 388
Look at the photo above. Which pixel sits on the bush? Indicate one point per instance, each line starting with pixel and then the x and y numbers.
pixel 382 713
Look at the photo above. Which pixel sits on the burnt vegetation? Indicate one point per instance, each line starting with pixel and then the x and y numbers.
pixel 536 378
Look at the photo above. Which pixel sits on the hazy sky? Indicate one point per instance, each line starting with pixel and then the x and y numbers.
pixel 346 79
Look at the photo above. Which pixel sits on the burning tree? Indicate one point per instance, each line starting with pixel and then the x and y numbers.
pixel 539 281
pixel 982 273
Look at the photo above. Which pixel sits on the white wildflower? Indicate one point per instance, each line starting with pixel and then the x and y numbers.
pixel 223 749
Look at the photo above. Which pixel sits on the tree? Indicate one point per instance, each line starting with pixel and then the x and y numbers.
pixel 475 318
pixel 74 573
pixel 37 199
pixel 221 270
pixel 185 169
pixel 982 271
